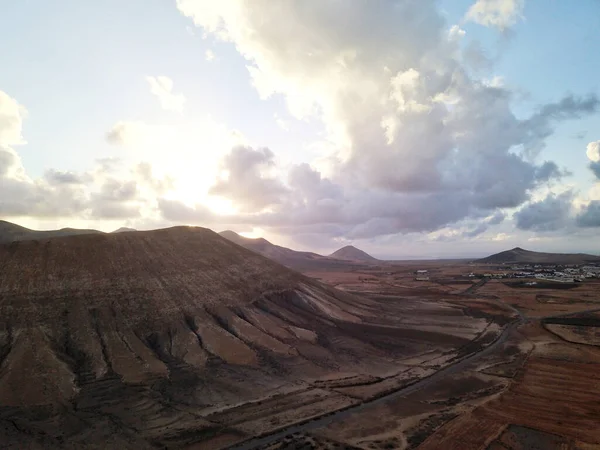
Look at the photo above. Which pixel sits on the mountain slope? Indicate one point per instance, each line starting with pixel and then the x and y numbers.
pixel 519 255
pixel 167 338
pixel 111 338
pixel 288 257
pixel 351 253
pixel 10 232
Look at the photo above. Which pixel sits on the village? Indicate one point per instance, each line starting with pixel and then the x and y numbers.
pixel 571 273
pixel 558 273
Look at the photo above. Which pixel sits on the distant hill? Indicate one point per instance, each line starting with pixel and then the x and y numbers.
pixel 10 232
pixel 520 255
pixel 283 255
pixel 124 230
pixel 351 253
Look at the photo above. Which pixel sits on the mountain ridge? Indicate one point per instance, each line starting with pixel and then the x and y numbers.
pixel 521 255
pixel 294 259
pixel 10 232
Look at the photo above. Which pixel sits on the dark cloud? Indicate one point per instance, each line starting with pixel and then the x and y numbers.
pixel 590 216
pixel 8 160
pixel 549 214
pixel 550 171
pixel 479 229
pixel 116 199
pixel 53 176
pixel 595 168
pixel 248 182
pixel 118 190
pixel 178 212
pixel 497 218
pixel 114 210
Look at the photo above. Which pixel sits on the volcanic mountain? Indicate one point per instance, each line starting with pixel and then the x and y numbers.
pixel 351 253
pixel 167 338
pixel 519 255
pixel 10 232
pixel 286 256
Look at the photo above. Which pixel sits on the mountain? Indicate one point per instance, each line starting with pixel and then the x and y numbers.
pixel 519 255
pixel 288 257
pixel 10 232
pixel 124 230
pixel 351 253
pixel 139 340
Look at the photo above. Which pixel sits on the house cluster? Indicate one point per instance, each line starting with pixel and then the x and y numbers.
pixel 559 273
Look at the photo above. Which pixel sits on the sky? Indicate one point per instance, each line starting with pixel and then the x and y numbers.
pixel 410 129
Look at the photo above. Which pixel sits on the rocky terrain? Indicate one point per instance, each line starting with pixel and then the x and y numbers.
pixel 179 337
pixel 519 255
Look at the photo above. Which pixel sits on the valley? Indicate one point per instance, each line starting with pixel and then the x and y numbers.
pixel 147 345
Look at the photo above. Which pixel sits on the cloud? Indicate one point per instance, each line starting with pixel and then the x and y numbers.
pixel 127 133
pixel 549 214
pixel 58 177
pixel 479 229
pixel 247 180
pixel 595 168
pixel 456 32
pixel 590 215
pixel 497 218
pixel 20 194
pixel 281 123
pixel 178 212
pixel 146 177
pixel 593 154
pixel 593 151
pixel 111 190
pixel 419 142
pixel 11 121
pixel 541 124
pixel 501 14
pixel 162 88
pixel 209 55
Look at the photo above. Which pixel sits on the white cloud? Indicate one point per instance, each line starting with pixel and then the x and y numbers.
pixel 419 142
pixel 127 133
pixel 111 190
pixel 501 14
pixel 281 123
pixel 11 120
pixel 593 151
pixel 209 55
pixel 162 88
pixel 456 32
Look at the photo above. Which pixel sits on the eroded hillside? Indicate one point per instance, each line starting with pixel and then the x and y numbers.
pixel 178 336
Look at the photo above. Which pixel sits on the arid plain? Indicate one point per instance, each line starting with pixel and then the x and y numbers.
pixel 537 389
